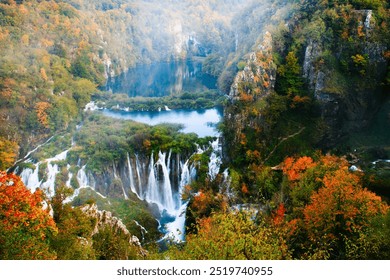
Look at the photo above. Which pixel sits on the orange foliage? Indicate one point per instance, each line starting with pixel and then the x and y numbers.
pixel 341 205
pixel 206 225
pixel 46 43
pixel 244 188
pixel 41 110
pixel 298 100
pixel 245 97
pixel 3 34
pixel 278 215
pixel 6 89
pixel 23 9
pixel 25 39
pixel 386 54
pixel 43 74
pixel 243 140
pixel 360 31
pixel 201 202
pixel 22 216
pixel 295 168
pixel 147 144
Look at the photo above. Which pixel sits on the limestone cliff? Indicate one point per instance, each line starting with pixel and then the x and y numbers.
pixel 106 219
pixel 344 106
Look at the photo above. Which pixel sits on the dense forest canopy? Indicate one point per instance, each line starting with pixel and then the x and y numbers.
pixel 304 169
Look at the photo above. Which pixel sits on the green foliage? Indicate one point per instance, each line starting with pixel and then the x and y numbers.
pixel 289 81
pixel 186 100
pixel 231 236
pixel 128 211
pixel 110 245
pixel 241 65
pixel 103 140
pixel 73 240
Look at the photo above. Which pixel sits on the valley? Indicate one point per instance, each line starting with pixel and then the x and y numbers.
pixel 239 129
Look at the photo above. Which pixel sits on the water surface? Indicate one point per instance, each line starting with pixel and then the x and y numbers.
pixel 162 79
pixel 201 122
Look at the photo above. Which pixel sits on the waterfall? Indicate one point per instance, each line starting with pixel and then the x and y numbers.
pixel 82 177
pixel 30 178
pixel 131 177
pixel 185 176
pixel 161 180
pixel 116 176
pixel 215 159
pixel 138 168
pixel 152 192
pixel 166 196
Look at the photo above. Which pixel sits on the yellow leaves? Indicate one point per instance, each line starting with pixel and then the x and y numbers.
pixel 41 109
pixel 3 33
pixel 25 39
pixel 43 74
pixel 8 153
pixel 46 43
pixel 23 10
pixel 147 144
pixel 6 90
pixel 360 31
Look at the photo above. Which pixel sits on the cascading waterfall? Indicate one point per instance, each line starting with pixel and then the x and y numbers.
pixel 215 159
pixel 166 194
pixel 159 182
pixel 152 192
pixel 31 178
pixel 131 177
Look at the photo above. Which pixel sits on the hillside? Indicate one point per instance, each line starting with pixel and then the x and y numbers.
pixel 299 166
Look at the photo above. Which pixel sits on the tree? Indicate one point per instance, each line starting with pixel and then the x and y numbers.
pixel 25 226
pixel 290 81
pixel 340 212
pixel 8 153
pixel 233 235
pixel 73 240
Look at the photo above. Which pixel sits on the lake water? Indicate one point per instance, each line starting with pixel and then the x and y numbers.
pixel 201 122
pixel 162 79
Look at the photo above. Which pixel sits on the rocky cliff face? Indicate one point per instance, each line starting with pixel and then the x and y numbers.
pixel 260 69
pixel 346 107
pixel 106 219
pixel 343 79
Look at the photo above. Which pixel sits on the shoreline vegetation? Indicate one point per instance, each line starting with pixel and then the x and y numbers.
pixel 186 100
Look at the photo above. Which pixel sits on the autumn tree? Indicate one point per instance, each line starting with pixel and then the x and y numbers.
pixel 25 226
pixel 333 213
pixel 73 240
pixel 234 235
pixel 8 153
pixel 41 109
pixel 340 213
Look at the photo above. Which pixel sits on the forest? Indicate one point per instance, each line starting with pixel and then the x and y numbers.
pixel 299 169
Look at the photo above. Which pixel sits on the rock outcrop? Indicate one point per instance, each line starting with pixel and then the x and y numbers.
pixel 346 107
pixel 106 218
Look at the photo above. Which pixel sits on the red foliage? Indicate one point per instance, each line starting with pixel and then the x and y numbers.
pixel 278 215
